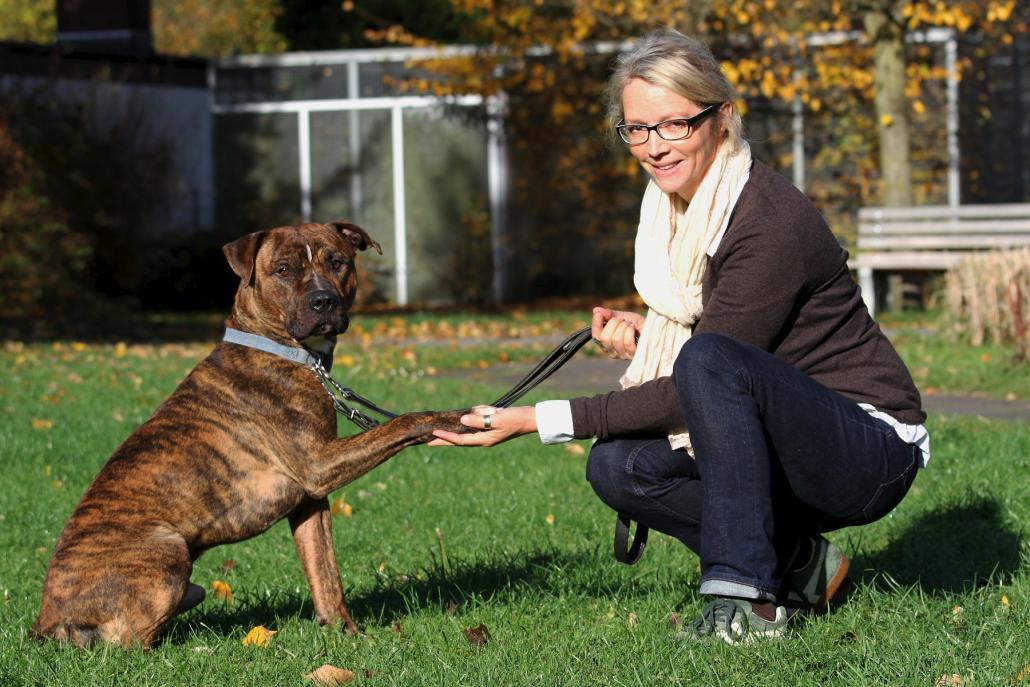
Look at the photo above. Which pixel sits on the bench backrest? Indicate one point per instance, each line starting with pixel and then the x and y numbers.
pixel 938 236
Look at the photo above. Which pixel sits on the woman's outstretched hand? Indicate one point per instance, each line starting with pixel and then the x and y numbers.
pixel 495 425
pixel 616 331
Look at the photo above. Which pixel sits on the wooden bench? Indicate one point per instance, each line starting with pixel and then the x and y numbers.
pixel 932 238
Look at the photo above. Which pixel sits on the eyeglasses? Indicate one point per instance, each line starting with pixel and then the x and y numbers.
pixel 669 130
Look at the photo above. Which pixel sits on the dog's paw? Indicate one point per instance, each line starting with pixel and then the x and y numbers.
pixel 447 420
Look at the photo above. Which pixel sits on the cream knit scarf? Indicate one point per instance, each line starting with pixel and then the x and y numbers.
pixel 670 258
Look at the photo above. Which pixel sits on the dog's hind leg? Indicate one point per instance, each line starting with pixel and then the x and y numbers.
pixel 313 536
pixel 125 602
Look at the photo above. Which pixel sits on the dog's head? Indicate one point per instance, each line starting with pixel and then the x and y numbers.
pixel 297 282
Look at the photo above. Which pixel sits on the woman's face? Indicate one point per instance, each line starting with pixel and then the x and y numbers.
pixel 676 166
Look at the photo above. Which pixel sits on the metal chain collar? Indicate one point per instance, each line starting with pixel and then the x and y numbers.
pixel 337 392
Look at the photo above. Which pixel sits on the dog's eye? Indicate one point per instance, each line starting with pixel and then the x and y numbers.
pixel 337 264
pixel 282 270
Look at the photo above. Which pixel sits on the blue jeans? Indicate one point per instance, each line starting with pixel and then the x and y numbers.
pixel 778 457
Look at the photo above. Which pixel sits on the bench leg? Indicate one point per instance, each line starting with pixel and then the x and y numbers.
pixel 866 284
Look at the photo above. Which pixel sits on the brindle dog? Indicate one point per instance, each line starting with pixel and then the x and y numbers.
pixel 248 438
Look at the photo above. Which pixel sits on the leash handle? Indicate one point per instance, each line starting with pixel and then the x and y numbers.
pixel 629 554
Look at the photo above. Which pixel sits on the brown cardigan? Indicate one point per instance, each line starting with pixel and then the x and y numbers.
pixel 778 280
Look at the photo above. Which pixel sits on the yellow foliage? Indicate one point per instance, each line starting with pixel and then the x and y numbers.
pixel 258 636
pixel 222 590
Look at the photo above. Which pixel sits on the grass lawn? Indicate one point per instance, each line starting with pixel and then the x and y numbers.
pixel 437 541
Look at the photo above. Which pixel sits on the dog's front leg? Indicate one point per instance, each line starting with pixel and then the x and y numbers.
pixel 344 459
pixel 311 524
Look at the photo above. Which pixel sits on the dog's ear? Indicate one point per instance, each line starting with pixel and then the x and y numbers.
pixel 356 235
pixel 242 253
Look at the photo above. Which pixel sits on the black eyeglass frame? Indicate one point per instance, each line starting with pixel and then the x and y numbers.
pixel 691 123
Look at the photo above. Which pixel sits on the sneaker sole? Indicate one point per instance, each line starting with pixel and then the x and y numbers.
pixel 833 585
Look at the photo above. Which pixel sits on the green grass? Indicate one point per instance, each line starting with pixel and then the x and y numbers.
pixel 941 587
pixel 940 364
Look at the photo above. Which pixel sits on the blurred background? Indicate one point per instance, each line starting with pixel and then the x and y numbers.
pixel 467 136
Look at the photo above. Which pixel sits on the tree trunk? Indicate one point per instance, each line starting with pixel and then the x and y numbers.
pixel 888 39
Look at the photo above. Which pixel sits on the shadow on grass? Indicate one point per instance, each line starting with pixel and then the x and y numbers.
pixel 391 600
pixel 950 550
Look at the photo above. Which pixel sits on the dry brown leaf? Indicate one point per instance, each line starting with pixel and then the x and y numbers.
pixel 228 564
pixel 222 590
pixel 953 680
pixel 575 449
pixel 258 636
pixel 675 622
pixel 477 636
pixel 330 676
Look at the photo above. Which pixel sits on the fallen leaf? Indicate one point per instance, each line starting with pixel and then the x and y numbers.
pixel 1011 396
pixel 330 676
pixel 396 628
pixel 258 636
pixel 477 636
pixel 953 680
pixel 1004 601
pixel 341 507
pixel 575 449
pixel 228 564
pixel 40 423
pixel 453 607
pixel 632 620
pixel 550 518
pixel 674 622
pixel 1022 675
pixel 222 590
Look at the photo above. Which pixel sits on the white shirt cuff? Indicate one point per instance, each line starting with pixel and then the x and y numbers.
pixel 554 421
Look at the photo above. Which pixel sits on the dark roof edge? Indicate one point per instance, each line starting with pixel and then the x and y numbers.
pixel 67 62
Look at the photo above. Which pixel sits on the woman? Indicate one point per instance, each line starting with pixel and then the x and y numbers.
pixel 762 405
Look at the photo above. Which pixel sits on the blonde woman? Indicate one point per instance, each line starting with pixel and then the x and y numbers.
pixel 762 405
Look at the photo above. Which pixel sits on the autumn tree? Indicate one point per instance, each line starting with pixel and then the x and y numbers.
pixel 28 21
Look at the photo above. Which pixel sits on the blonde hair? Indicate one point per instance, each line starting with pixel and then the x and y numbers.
pixel 682 64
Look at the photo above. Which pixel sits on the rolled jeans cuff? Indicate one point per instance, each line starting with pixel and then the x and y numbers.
pixel 735 589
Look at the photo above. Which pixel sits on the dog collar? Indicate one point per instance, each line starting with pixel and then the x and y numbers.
pixel 292 353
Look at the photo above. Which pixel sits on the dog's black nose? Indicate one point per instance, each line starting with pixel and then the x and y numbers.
pixel 323 301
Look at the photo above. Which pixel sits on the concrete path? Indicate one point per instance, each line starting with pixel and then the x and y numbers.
pixel 583 376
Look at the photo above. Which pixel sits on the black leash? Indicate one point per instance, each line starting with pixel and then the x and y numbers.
pixel 544 369
pixel 551 363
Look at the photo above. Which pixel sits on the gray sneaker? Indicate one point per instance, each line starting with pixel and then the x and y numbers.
pixel 811 587
pixel 734 622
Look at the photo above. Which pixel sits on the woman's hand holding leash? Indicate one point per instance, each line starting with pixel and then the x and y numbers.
pixel 616 331
pixel 496 425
